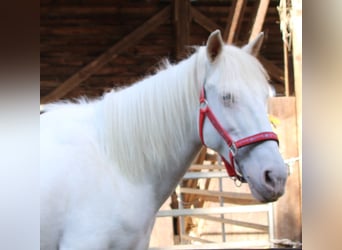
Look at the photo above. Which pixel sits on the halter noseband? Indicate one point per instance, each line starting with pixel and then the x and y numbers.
pixel 233 146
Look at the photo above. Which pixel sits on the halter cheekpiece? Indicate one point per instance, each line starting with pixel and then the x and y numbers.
pixel 233 146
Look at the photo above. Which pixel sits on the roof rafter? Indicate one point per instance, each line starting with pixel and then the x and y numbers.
pixel 125 43
pixel 233 22
pixel 181 19
pixel 259 19
pixel 204 21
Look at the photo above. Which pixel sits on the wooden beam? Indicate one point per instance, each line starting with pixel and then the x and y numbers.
pixel 129 40
pixel 233 21
pixel 259 18
pixel 229 197
pixel 196 167
pixel 181 19
pixel 234 222
pixel 204 21
pixel 197 239
pixel 284 17
pixel 288 207
pixel 296 16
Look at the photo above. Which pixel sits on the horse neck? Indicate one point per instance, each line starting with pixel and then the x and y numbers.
pixel 153 128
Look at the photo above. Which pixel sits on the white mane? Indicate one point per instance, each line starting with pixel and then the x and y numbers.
pixel 145 122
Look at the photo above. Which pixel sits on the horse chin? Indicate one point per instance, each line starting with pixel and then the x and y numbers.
pixel 258 191
pixel 261 194
pixel 262 197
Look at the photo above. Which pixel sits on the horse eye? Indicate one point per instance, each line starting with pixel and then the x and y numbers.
pixel 228 99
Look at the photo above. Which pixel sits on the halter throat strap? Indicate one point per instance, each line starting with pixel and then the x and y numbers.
pixel 234 146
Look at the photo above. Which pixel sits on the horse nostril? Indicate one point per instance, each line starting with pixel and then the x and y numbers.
pixel 268 178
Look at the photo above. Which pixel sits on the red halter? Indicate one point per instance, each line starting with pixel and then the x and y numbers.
pixel 233 146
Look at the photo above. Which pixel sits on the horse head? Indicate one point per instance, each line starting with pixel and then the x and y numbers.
pixel 233 118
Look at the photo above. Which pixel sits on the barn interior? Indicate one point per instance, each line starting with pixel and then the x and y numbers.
pixel 88 47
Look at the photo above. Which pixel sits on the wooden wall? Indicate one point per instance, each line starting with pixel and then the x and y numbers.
pixel 74 34
pixel 288 210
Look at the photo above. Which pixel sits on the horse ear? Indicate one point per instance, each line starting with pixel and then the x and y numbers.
pixel 214 45
pixel 254 46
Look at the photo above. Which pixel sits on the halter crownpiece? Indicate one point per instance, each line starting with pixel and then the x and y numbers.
pixel 231 167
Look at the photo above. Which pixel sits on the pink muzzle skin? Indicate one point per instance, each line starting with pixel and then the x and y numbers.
pixel 231 166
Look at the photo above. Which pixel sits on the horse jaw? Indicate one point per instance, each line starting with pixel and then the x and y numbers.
pixel 265 171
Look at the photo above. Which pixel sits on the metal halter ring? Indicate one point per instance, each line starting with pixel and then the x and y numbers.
pixel 203 104
pixel 237 181
pixel 233 149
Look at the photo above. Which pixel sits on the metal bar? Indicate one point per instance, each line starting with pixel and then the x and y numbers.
pixel 181 219
pixel 214 210
pixel 223 229
pixel 197 175
pixel 270 223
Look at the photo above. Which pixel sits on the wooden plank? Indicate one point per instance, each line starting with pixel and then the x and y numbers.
pixel 286 70
pixel 234 222
pixel 229 197
pixel 193 182
pixel 287 212
pixel 126 42
pixel 259 19
pixel 206 167
pixel 182 25
pixel 192 238
pixel 234 19
pixel 297 67
pixel 204 21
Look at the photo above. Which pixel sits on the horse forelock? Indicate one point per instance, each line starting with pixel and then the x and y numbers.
pixel 240 72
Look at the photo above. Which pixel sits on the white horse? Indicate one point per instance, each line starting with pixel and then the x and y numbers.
pixel 108 165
